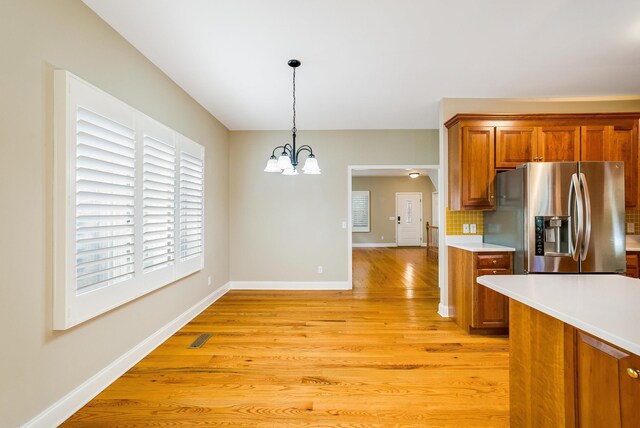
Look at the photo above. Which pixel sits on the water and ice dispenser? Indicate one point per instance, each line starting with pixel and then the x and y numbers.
pixel 552 236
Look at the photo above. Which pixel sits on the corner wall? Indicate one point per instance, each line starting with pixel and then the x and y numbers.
pixel 39 366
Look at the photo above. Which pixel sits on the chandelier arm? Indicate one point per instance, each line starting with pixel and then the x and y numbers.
pixel 305 147
pixel 273 153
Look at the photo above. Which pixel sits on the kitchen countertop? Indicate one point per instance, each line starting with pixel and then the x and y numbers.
pixel 605 306
pixel 478 247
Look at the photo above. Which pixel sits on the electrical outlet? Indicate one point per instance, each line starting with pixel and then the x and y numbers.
pixel 631 228
pixel 320 269
pixel 208 280
pixel 473 228
pixel 382 238
pixel 392 218
pixel 465 228
pixel 344 224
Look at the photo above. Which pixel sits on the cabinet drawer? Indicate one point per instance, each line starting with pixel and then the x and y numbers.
pixel 632 260
pixel 496 271
pixel 485 261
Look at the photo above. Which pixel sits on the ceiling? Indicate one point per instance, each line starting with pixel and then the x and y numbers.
pixel 382 64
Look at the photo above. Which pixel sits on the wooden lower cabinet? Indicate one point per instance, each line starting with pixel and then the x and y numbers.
pixel 606 394
pixel 560 376
pixel 632 264
pixel 476 308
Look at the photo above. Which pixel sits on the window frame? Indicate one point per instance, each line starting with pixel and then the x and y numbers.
pixel 361 229
pixel 70 306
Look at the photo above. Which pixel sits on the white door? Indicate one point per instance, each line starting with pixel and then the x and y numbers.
pixel 435 206
pixel 409 219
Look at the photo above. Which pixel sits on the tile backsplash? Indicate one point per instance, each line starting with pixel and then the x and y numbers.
pixel 455 220
pixel 632 216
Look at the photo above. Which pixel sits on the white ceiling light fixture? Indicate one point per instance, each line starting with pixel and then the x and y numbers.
pixel 414 174
pixel 288 161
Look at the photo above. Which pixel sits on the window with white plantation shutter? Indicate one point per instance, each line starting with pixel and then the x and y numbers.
pixel 360 211
pixel 191 206
pixel 105 186
pixel 128 204
pixel 158 204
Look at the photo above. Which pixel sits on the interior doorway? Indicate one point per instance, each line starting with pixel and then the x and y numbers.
pixel 409 219
pixel 382 226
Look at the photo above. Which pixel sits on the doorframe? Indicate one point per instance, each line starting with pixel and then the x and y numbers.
pixel 350 169
pixel 421 215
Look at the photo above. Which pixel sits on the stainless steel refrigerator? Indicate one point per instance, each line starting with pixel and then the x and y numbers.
pixel 562 217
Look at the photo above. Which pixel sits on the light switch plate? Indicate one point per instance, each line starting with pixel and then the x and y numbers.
pixel 473 228
pixel 631 228
pixel 465 228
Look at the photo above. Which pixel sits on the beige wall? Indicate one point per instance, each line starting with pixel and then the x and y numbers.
pixel 383 204
pixel 283 227
pixel 39 366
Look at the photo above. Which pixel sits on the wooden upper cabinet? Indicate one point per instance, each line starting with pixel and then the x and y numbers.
pixel 478 168
pixel 559 143
pixel 607 394
pixel 480 144
pixel 611 143
pixel 514 146
pixel 595 142
pixel 624 147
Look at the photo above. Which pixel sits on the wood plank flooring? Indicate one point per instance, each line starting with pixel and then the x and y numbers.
pixel 376 356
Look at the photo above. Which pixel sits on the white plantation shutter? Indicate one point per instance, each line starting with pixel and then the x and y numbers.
pixel 360 211
pixel 191 206
pixel 128 205
pixel 105 186
pixel 159 189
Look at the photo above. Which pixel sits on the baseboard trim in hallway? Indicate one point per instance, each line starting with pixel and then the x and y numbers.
pixel 290 285
pixel 62 409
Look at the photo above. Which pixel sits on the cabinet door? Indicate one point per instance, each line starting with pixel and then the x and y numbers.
pixel 514 146
pixel 632 265
pixel 558 143
pixel 606 395
pixel 477 171
pixel 624 147
pixel 595 142
pixel 490 308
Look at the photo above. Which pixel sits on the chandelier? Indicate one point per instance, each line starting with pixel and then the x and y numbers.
pixel 287 163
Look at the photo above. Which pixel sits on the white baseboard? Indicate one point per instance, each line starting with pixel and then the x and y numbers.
pixel 374 244
pixel 443 310
pixel 62 409
pixel 290 285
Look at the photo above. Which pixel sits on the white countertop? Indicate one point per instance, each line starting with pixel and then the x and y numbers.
pixel 478 247
pixel 603 305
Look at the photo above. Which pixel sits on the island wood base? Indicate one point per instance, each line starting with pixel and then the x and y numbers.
pixel 560 376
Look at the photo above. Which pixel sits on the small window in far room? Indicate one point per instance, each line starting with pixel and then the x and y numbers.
pixel 360 211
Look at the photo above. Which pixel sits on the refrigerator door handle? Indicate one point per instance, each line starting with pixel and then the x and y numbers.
pixel 587 217
pixel 575 230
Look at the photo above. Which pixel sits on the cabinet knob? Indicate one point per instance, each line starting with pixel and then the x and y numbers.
pixel 494 261
pixel 633 373
pixel 495 271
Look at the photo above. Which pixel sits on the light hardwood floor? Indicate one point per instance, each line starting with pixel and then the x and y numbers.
pixel 376 356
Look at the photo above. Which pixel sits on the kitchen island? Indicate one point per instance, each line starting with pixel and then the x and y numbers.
pixel 574 345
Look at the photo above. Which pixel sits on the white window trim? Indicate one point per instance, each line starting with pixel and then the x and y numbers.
pixel 366 228
pixel 72 308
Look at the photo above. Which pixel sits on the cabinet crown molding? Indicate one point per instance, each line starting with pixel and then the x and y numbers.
pixel 538 117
